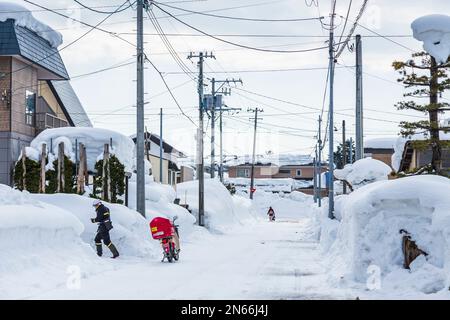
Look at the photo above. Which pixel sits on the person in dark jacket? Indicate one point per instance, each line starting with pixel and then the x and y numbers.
pixel 104 225
pixel 271 214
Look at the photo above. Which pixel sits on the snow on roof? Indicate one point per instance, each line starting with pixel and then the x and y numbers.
pixel 380 143
pixel 434 31
pixel 399 146
pixel 283 159
pixel 24 18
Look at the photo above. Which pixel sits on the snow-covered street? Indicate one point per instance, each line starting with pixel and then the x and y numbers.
pixel 266 261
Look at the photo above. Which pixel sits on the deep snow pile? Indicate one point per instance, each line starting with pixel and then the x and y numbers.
pixel 368 233
pixel 363 172
pixel 24 18
pixel 434 31
pixel 38 243
pixel 222 210
pixel 93 139
pixel 131 233
pixel 159 201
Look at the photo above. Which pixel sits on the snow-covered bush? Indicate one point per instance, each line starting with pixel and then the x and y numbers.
pixel 371 217
pixel 363 172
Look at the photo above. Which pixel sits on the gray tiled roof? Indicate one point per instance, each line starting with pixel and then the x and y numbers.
pixel 67 96
pixel 16 40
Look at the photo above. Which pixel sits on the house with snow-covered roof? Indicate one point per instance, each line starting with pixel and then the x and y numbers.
pixel 380 149
pixel 34 85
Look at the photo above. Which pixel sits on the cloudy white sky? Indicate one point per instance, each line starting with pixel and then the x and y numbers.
pixel 108 97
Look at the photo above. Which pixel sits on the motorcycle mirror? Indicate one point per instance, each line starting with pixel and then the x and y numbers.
pixel 175 218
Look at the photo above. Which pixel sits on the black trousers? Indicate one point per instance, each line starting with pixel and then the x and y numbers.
pixel 102 234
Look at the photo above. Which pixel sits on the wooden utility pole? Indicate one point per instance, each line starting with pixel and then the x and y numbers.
pixel 24 168
pixel 42 175
pixel 81 170
pixel 344 154
pixel 61 174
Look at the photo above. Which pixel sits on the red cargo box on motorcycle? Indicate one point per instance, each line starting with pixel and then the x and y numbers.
pixel 161 228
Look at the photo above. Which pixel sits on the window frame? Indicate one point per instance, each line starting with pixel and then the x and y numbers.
pixel 30 115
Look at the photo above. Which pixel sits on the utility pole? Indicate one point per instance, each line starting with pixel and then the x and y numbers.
pixel 252 176
pixel 350 155
pixel 200 166
pixel 161 146
pixel 315 176
pixel 344 155
pixel 320 163
pixel 214 92
pixel 331 117
pixel 359 148
pixel 140 166
pixel 213 129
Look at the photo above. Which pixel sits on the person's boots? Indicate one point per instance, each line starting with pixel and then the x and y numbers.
pixel 99 249
pixel 114 251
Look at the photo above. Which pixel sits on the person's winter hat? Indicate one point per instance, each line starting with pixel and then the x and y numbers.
pixel 96 203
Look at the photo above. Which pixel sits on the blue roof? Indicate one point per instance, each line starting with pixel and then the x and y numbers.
pixel 16 40
pixel 67 97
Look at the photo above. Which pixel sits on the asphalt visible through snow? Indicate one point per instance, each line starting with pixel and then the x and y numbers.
pixel 268 260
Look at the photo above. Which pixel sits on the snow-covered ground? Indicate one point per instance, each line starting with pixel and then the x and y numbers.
pixel 47 246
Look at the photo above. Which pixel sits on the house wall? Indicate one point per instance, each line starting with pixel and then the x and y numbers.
pixel 155 169
pixel 307 172
pixel 23 79
pixel 45 92
pixel 261 172
pixel 14 132
pixel 186 174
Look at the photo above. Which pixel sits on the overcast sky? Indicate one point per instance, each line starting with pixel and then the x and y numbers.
pixel 108 97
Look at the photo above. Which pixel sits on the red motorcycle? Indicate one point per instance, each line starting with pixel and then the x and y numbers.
pixel 165 231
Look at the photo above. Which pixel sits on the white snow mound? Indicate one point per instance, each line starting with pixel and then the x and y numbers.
pixel 434 31
pixel 363 172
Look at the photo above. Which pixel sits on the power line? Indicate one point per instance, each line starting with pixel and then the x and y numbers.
pixel 104 12
pixel 237 44
pixel 237 18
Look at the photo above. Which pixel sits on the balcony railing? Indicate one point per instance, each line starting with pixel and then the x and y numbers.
pixel 48 121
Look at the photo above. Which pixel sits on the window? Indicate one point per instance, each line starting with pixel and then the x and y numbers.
pixel 285 171
pixel 298 172
pixel 30 107
pixel 243 173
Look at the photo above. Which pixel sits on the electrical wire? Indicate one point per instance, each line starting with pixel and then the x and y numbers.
pixel 237 44
pixel 236 18
pixel 104 12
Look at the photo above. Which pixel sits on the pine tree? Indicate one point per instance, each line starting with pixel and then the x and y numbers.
pixel 426 80
pixel 337 155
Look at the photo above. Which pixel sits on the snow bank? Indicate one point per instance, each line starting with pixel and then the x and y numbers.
pixel 38 243
pixel 24 18
pixel 434 31
pixel 363 172
pixel 221 210
pixel 94 140
pixel 368 233
pixel 131 233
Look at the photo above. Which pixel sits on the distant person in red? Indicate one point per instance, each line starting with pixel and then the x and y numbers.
pixel 271 214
